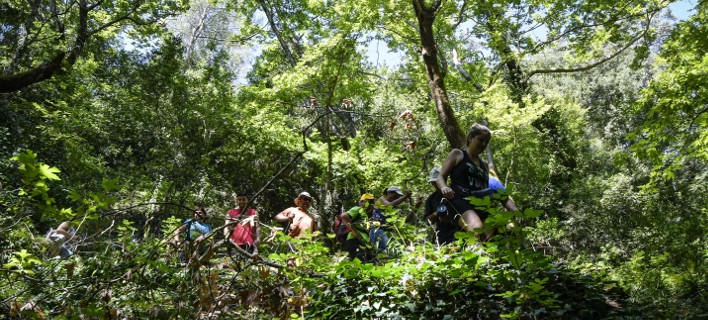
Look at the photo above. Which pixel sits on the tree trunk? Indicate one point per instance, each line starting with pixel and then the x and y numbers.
pixel 446 116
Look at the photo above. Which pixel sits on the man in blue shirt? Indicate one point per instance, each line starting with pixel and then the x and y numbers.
pixel 194 231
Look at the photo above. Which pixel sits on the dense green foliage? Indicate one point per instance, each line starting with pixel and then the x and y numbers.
pixel 148 118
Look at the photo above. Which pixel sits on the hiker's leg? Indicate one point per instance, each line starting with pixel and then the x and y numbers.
pixel 356 250
pixel 469 220
pixel 383 242
pixel 378 238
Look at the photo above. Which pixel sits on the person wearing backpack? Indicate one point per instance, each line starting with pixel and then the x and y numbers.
pixel 341 231
pixel 468 173
pixel 356 219
pixel 247 233
pixel 194 231
pixel 438 214
pixel 378 231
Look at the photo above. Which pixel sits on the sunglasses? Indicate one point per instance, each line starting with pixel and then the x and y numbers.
pixel 305 199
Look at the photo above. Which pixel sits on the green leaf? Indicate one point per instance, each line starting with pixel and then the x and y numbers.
pixel 110 184
pixel 25 157
pixel 49 172
pixel 73 195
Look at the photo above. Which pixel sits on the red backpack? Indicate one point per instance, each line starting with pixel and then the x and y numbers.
pixel 341 230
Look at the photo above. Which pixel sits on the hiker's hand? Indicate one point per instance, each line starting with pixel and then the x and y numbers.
pixel 408 193
pixel 447 192
pixel 76 238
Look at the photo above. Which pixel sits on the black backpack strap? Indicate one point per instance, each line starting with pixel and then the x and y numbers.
pixel 189 231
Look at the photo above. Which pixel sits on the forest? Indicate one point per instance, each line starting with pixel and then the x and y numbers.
pixel 121 117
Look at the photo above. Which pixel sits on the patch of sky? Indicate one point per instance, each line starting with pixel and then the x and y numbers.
pixel 380 55
pixel 683 9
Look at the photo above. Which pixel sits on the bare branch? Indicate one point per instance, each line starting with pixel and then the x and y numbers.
pixel 584 26
pixel 596 63
pixel 239 40
pixel 461 15
pixel 93 6
pixel 126 16
pixel 274 28
pixel 463 72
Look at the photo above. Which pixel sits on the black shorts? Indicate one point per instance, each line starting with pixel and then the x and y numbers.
pixel 356 249
pixel 461 205
pixel 247 247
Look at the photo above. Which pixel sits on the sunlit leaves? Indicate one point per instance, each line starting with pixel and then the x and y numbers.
pixel 23 261
pixel 675 105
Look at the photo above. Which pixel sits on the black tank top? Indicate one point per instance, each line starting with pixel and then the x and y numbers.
pixel 467 176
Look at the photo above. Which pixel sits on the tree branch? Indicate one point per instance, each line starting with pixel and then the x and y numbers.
pixel 436 5
pixel 278 35
pixel 20 80
pixel 463 72
pixel 126 16
pixel 594 64
pixel 461 15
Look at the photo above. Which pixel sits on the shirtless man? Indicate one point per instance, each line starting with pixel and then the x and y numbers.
pixel 301 221
pixel 57 239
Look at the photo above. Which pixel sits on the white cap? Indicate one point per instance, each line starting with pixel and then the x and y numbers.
pixel 395 189
pixel 434 174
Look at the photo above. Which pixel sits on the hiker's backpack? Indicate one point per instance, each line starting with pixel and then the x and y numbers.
pixel 341 230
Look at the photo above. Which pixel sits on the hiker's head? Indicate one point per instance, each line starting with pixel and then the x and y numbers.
pixel 367 201
pixel 479 137
pixel 200 213
pixel 434 173
pixel 303 200
pixel 242 199
pixel 393 193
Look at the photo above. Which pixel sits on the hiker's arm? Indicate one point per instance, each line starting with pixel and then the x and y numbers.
pixel 509 204
pixel 432 218
pixel 347 220
pixel 406 195
pixel 431 213
pixel 285 215
pixel 63 230
pixel 175 235
pixel 450 162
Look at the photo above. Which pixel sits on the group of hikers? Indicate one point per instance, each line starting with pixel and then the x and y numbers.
pixel 448 208
pixel 367 231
